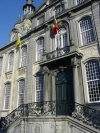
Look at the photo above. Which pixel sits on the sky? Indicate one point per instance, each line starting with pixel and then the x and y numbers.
pixel 9 12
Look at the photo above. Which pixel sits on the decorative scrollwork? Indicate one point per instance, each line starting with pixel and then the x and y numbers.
pixel 58 52
pixel 87 115
pixel 80 112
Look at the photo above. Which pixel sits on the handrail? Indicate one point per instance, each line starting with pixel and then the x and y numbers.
pixel 78 111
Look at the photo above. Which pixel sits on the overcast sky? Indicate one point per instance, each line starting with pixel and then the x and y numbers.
pixel 9 12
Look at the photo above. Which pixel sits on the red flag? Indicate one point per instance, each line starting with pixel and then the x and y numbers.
pixel 55 27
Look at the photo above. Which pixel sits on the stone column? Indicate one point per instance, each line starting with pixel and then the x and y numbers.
pixel 77 80
pixel 53 86
pixel 47 84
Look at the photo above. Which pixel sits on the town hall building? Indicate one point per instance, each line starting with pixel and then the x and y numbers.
pixel 50 81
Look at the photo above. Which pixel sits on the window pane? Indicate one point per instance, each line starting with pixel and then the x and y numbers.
pixel 87 31
pixel 23 57
pixel 41 20
pixel 93 80
pixel 80 1
pixel 10 61
pixel 21 91
pixel 39 88
pixel 7 95
pixel 61 38
pixel 40 48
pixel 59 9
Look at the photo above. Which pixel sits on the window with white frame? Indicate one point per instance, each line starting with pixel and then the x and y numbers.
pixel 21 88
pixel 41 20
pixel 39 88
pixel 80 1
pixel 7 95
pixel 23 56
pixel 61 39
pixel 87 31
pixel 93 80
pixel 59 9
pixel 1 59
pixel 40 48
pixel 10 61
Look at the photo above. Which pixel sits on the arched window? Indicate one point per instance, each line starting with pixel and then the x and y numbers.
pixel 40 48
pixel 87 31
pixel 62 38
pixel 21 88
pixel 93 80
pixel 23 56
pixel 10 61
pixel 7 95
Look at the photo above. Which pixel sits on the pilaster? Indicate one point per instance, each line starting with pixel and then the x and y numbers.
pixel 77 80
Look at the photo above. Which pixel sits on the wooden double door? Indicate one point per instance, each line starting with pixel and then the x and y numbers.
pixel 64 92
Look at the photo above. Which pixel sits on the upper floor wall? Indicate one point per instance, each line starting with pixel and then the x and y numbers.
pixel 53 9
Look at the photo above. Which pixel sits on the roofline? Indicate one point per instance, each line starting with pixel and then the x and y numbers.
pixel 67 11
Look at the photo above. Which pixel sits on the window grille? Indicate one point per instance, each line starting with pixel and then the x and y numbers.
pixel 1 59
pixel 10 61
pixel 21 87
pixel 40 48
pixel 7 95
pixel 39 88
pixel 23 56
pixel 87 31
pixel 93 80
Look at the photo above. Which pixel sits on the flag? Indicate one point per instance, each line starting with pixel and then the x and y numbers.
pixel 18 41
pixel 55 27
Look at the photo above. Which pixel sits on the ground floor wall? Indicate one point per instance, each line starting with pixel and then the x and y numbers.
pixel 50 125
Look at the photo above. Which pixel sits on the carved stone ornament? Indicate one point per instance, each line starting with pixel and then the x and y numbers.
pixel 24 27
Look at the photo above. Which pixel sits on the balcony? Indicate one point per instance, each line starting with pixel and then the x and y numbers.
pixel 57 53
pixel 87 115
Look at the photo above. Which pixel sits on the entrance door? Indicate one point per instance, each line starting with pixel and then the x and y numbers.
pixel 64 92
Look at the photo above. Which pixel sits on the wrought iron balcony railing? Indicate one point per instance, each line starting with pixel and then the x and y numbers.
pixel 80 112
pixel 57 53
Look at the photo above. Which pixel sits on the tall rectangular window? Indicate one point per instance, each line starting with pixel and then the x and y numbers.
pixel 40 48
pixel 41 20
pixel 21 88
pixel 61 39
pixel 87 31
pixel 1 59
pixel 10 61
pixel 7 95
pixel 23 56
pixel 93 80
pixel 39 88
pixel 59 9
pixel 80 1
